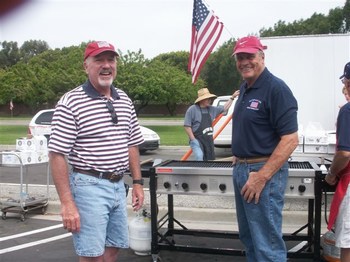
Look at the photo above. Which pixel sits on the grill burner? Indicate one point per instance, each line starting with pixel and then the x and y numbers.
pixel 215 178
pixel 300 165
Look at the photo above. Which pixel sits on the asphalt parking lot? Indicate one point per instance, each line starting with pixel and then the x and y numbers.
pixel 41 238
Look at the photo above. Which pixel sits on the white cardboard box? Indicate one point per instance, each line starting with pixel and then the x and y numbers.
pixel 42 156
pixel 301 139
pixel 27 157
pixel 314 139
pixel 316 148
pixel 25 144
pixel 40 143
pixel 36 143
pixel 14 157
pixel 331 149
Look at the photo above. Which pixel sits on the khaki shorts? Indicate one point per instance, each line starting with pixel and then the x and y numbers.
pixel 342 224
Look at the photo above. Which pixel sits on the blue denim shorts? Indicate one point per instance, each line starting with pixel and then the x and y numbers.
pixel 103 214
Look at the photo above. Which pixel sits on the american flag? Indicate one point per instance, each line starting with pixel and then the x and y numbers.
pixel 254 104
pixel 206 31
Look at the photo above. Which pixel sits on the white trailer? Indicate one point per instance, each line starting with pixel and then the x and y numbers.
pixel 311 66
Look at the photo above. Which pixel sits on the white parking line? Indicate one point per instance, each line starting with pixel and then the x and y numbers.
pixel 298 247
pixel 31 232
pixel 35 243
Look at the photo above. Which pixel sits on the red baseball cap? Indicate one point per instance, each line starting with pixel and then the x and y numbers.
pixel 97 47
pixel 248 44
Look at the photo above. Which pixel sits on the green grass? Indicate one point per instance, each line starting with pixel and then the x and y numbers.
pixel 9 134
pixel 169 135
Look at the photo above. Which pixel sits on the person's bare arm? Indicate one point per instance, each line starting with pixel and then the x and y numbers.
pixel 69 211
pixel 340 161
pixel 228 104
pixel 189 132
pixel 135 170
pixel 257 180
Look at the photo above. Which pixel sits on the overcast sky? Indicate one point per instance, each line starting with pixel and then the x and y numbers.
pixel 155 26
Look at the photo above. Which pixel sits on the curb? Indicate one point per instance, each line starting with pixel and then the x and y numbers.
pixel 198 211
pixel 204 218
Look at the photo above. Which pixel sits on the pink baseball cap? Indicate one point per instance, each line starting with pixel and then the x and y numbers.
pixel 98 47
pixel 248 44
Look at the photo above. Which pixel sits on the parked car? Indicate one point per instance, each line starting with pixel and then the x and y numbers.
pixel 41 125
pixel 223 140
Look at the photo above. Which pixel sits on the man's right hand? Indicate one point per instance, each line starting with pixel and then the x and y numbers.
pixel 70 217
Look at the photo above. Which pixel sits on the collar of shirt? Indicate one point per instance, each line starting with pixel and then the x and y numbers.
pixel 257 83
pixel 91 91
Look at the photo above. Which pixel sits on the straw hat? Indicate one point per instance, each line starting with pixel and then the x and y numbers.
pixel 203 93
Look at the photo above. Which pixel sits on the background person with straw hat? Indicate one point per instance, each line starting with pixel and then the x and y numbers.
pixel 198 123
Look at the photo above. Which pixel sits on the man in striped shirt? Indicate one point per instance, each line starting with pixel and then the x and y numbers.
pixel 95 128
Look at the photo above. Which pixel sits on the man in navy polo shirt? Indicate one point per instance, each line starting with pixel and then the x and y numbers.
pixel 264 135
pixel 339 172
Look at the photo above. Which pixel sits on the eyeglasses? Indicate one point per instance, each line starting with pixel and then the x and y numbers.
pixel 111 110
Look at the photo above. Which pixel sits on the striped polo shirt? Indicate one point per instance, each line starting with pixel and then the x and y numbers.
pixel 83 130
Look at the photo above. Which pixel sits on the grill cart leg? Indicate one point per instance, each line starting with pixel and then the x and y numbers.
pixel 156 258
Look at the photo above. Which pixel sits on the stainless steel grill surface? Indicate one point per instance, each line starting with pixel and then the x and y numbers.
pixel 215 178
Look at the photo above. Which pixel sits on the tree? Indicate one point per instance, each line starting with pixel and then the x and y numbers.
pixel 160 81
pixel 32 48
pixel 177 59
pixel 9 54
pixel 131 77
pixel 42 80
pixel 337 21
pixel 175 85
pixel 346 16
pixel 220 71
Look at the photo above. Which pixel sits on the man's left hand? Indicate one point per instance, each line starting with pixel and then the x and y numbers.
pixel 137 197
pixel 253 187
pixel 331 179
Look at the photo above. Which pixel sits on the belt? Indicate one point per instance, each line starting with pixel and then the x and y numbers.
pixel 251 160
pixel 111 176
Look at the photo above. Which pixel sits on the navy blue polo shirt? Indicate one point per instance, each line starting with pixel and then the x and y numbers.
pixel 262 114
pixel 343 127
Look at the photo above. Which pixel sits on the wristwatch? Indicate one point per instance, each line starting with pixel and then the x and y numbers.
pixel 138 181
pixel 232 98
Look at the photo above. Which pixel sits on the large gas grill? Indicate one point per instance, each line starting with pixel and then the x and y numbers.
pixel 215 178
pixel 194 177
pixel 175 177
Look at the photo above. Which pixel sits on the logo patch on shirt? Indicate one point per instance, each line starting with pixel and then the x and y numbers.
pixel 254 104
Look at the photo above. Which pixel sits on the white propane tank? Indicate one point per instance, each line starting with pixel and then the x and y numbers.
pixel 140 235
pixel 331 253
